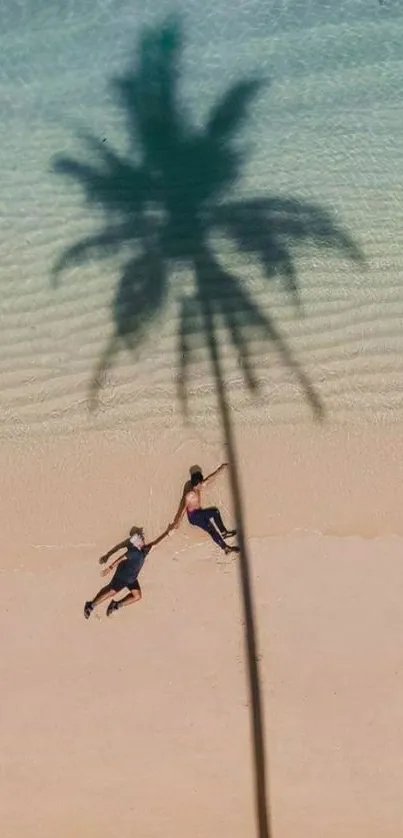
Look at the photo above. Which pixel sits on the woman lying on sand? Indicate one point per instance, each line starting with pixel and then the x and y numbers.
pixel 126 575
pixel 205 518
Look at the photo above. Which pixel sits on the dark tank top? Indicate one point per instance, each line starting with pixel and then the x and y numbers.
pixel 134 561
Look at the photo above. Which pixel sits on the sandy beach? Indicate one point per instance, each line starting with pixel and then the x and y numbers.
pixel 140 724
pixel 157 700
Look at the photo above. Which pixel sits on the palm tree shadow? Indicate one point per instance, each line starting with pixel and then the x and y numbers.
pixel 164 199
pixel 167 196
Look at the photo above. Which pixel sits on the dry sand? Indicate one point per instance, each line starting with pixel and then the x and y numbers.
pixel 139 725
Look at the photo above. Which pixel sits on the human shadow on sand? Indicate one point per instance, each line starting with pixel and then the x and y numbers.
pixel 165 200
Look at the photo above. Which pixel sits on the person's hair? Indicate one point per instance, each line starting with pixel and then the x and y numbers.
pixel 137 531
pixel 196 478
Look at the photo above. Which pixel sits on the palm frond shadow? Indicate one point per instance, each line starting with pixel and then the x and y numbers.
pixel 164 199
pixel 167 196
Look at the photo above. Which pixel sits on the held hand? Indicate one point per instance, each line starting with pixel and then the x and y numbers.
pixel 105 571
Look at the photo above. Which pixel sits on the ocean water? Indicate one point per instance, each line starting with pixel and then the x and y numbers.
pixel 327 129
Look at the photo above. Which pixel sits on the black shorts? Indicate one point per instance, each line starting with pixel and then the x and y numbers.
pixel 126 575
pixel 119 582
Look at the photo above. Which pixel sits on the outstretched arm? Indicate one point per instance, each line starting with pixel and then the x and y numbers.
pixel 180 512
pixel 213 474
pixel 158 540
pixel 121 546
pixel 112 565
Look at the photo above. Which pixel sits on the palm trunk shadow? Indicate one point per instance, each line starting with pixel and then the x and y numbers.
pixel 261 791
pixel 104 364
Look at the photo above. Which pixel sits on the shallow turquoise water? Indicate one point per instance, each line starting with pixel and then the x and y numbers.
pixel 327 129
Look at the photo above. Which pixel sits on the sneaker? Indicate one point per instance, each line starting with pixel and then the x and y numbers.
pixel 113 606
pixel 88 609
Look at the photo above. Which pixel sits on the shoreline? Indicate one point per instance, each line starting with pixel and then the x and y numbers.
pixel 322 480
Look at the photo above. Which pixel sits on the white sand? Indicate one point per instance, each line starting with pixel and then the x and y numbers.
pixel 140 725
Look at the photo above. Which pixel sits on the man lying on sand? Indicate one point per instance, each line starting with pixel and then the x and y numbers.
pixel 203 517
pixel 126 575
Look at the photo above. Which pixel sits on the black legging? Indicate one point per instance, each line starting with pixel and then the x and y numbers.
pixel 202 518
